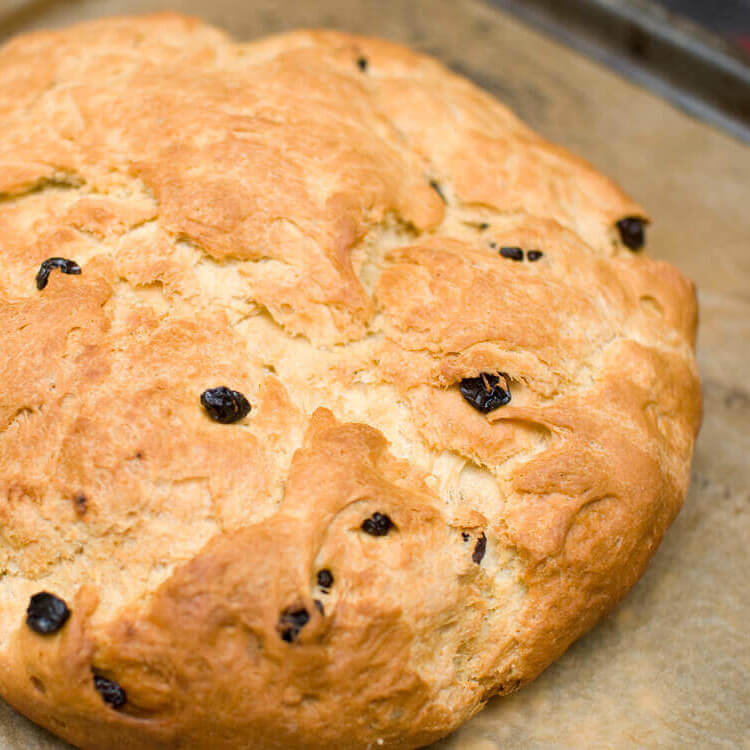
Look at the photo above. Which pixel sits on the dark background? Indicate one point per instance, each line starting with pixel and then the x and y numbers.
pixel 730 18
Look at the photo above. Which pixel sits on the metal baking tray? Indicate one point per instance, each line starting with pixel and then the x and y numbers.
pixel 693 68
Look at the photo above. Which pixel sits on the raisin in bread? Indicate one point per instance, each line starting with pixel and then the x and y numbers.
pixel 334 401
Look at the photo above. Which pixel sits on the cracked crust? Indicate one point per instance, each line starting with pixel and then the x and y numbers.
pixel 273 218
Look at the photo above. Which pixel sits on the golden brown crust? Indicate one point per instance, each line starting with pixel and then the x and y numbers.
pixel 273 218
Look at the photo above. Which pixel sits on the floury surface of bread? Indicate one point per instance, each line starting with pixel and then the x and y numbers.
pixel 313 220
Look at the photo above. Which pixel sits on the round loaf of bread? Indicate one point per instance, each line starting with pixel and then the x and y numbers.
pixel 333 400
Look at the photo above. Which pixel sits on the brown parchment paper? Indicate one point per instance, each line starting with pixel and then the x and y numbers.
pixel 670 668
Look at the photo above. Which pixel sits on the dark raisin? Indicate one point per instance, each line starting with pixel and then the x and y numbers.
pixel 493 245
pixel 291 622
pixel 465 536
pixel 378 524
pixel 435 185
pixel 62 264
pixel 484 393
pixel 533 255
pixel 325 579
pixel 81 504
pixel 319 606
pixel 46 613
pixel 484 226
pixel 632 232
pixel 362 64
pixel 514 253
pixel 110 691
pixel 224 405
pixel 479 549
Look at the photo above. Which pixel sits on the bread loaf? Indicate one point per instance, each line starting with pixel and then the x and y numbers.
pixel 334 401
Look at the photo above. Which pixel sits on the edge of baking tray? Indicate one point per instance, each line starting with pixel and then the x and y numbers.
pixel 674 57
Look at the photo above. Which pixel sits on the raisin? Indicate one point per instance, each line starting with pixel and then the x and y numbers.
pixel 362 64
pixel 61 264
pixel 224 405
pixel 325 579
pixel 632 232
pixel 110 691
pixel 435 185
pixel 533 255
pixel 378 524
pixel 465 536
pixel 514 253
pixel 319 605
pixel 291 622
pixel 484 226
pixel 46 613
pixel 479 549
pixel 81 504
pixel 493 245
pixel 484 393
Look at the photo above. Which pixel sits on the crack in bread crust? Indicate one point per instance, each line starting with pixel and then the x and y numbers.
pixel 324 239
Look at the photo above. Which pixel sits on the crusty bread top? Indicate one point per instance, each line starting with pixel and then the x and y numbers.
pixel 302 219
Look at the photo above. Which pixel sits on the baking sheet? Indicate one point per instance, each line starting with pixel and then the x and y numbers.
pixel 670 668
